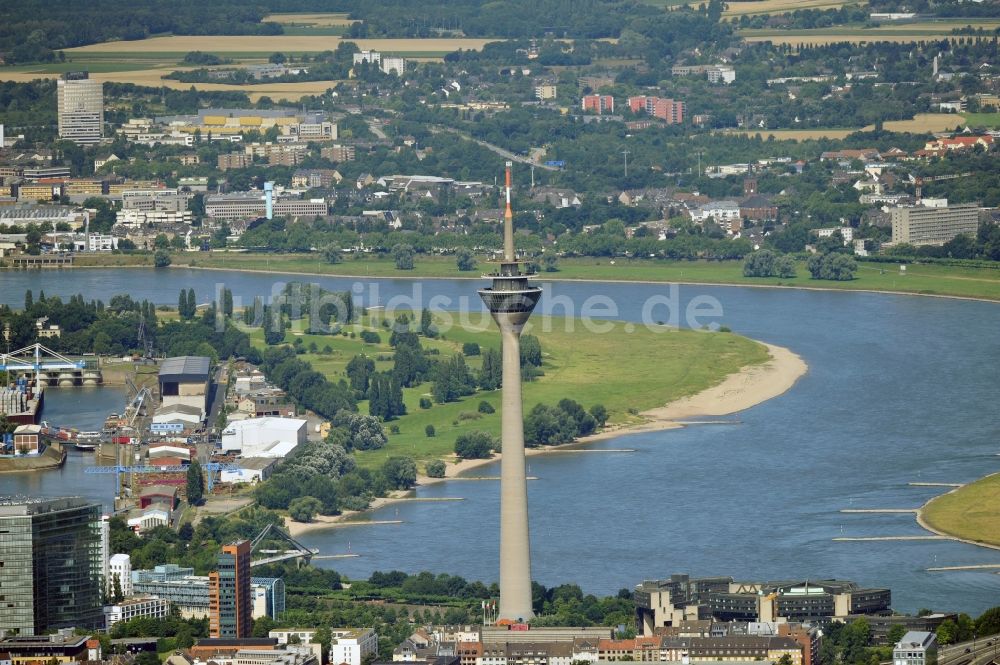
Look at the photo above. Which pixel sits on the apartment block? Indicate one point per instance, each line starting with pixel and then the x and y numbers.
pixel 925 225
pixel 658 107
pixel 599 104
pixel 350 646
pixel 234 160
pixel 338 153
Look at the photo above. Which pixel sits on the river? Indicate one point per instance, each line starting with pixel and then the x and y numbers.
pixel 900 389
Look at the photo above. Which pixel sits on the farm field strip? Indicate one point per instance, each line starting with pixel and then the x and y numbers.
pixel 230 45
pixel 780 6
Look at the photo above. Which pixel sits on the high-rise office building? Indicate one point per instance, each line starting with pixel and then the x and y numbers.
pixel 229 600
pixel 50 564
pixel 81 108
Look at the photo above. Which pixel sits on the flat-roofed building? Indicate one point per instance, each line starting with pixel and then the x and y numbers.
pixel 133 608
pixel 22 215
pixel 185 380
pixel 60 648
pixel 350 646
pixel 80 106
pixel 925 225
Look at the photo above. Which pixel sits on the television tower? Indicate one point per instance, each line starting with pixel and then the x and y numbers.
pixel 511 300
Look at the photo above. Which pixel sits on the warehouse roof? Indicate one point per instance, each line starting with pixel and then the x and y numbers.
pixel 185 367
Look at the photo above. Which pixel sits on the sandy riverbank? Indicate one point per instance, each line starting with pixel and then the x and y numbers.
pixel 742 390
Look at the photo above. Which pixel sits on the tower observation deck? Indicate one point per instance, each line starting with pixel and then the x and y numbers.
pixel 511 299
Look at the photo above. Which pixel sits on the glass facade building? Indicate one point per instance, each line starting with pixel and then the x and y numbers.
pixel 230 609
pixel 50 564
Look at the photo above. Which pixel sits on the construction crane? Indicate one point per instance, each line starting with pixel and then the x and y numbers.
pixel 918 181
pixel 118 470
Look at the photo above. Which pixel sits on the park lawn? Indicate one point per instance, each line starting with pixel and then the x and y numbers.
pixel 971 512
pixel 989 120
pixel 662 365
pixel 928 279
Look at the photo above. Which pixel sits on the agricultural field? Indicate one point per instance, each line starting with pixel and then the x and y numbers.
pixel 922 123
pixel 902 33
pixel 263 46
pixel 141 74
pixel 664 365
pixel 754 8
pixel 146 62
pixel 312 20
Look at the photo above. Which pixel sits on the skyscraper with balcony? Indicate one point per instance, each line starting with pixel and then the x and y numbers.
pixel 229 599
pixel 81 108
pixel 50 564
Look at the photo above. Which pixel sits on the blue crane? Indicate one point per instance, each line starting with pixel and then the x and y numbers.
pixel 118 470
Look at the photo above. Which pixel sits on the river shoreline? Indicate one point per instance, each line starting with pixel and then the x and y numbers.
pixel 742 390
pixel 557 279
pixel 950 536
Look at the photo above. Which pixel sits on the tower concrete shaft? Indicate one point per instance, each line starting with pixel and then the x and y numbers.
pixel 511 299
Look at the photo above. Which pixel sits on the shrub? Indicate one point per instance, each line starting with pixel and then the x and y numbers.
pixel 470 349
pixel 304 508
pixel 425 402
pixel 436 469
pixel 486 407
pixel 429 431
pixel 369 337
pixel 475 445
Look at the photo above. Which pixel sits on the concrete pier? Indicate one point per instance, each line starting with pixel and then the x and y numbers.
pixel 864 539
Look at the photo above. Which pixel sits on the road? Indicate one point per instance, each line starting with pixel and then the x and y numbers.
pixel 983 651
pixel 437 129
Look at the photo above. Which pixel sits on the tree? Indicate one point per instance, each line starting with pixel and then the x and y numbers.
pixel 896 633
pixel 359 372
pixel 402 255
pixel 550 264
pixel 465 260
pixel 195 483
pixel 475 445
pixel 363 432
pixel 452 379
pixel 470 349
pixel 759 264
pixel 531 351
pixel 430 431
pixel 436 469
pixel 600 414
pixel 491 372
pixel 332 253
pixel 182 306
pixel 400 472
pixel 192 304
pixel 304 508
pixel 161 259
pixel 946 632
pixel 427 328
pixel 832 266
